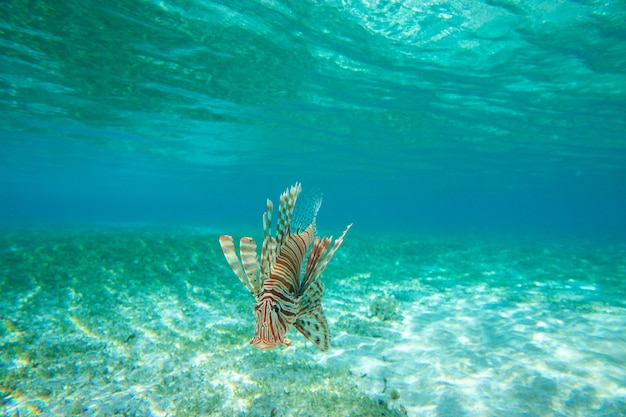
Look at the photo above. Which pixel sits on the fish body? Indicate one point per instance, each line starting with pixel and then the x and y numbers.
pixel 286 295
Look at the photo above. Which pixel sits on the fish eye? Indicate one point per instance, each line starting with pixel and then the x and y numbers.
pixel 276 309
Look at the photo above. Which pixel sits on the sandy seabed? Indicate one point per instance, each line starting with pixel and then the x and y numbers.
pixel 142 322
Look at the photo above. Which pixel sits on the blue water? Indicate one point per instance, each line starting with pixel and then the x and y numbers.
pixel 480 115
pixel 479 148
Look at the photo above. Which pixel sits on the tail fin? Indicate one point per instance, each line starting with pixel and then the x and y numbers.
pixel 311 321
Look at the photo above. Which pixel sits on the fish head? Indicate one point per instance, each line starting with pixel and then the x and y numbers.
pixel 271 325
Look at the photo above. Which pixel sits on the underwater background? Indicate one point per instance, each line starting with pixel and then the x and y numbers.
pixel 478 147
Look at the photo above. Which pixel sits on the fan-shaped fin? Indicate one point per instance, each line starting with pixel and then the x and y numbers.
pixel 315 328
pixel 228 247
pixel 250 261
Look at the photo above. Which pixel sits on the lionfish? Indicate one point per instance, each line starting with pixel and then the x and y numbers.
pixel 283 298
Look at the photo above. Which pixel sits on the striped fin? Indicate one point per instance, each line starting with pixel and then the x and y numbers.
pixel 247 250
pixel 268 257
pixel 323 261
pixel 228 247
pixel 285 211
pixel 315 256
pixel 267 219
pixel 268 250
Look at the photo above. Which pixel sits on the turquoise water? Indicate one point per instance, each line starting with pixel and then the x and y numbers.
pixel 478 147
